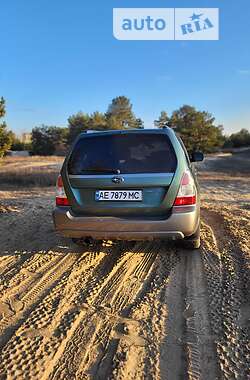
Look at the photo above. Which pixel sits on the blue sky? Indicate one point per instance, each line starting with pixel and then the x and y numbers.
pixel 59 57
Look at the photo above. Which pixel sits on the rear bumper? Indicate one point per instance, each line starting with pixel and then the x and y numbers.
pixel 182 222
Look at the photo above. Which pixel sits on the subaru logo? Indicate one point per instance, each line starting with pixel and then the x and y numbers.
pixel 117 179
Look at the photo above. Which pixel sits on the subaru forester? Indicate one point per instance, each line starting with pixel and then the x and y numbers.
pixel 135 184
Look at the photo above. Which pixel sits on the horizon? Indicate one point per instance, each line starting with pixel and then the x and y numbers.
pixel 58 59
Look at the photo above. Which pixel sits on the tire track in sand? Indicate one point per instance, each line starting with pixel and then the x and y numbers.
pixel 22 306
pixel 87 343
pixel 149 310
pixel 8 262
pixel 174 322
pixel 11 265
pixel 199 340
pixel 14 284
pixel 117 326
pixel 43 332
pixel 229 295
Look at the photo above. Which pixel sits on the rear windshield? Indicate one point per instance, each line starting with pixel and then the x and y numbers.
pixel 124 153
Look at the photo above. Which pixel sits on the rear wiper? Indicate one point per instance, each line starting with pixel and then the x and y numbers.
pixel 102 170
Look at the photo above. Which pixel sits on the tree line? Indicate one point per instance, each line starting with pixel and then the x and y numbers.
pixel 197 129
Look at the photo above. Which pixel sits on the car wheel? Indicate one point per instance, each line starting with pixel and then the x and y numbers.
pixel 81 242
pixel 78 242
pixel 193 241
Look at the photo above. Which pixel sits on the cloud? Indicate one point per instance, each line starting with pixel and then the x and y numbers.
pixel 244 72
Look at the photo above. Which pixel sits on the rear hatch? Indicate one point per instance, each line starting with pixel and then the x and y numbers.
pixel 121 174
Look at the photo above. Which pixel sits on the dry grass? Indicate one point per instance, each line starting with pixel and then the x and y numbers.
pixel 30 171
pixel 232 165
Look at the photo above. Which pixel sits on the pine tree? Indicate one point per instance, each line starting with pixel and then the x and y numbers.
pixel 98 121
pixel 77 123
pixel 5 135
pixel 120 114
pixel 163 120
pixel 197 129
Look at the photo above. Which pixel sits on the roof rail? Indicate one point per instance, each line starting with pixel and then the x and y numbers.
pixel 90 131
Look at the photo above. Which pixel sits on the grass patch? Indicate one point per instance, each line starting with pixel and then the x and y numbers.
pixel 30 171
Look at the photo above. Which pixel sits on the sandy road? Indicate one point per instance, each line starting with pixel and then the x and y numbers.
pixel 148 310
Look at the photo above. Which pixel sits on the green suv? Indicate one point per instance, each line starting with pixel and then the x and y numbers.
pixel 130 185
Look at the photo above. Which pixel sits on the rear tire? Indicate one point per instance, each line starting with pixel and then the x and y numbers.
pixel 193 241
pixel 77 242
pixel 82 242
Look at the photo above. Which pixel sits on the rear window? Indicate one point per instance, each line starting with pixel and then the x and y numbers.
pixel 124 153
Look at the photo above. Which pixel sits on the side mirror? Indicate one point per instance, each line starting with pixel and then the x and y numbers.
pixel 196 157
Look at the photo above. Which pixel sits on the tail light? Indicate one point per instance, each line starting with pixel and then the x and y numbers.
pixel 61 197
pixel 187 193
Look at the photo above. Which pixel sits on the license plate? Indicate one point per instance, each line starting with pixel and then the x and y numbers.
pixel 118 195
